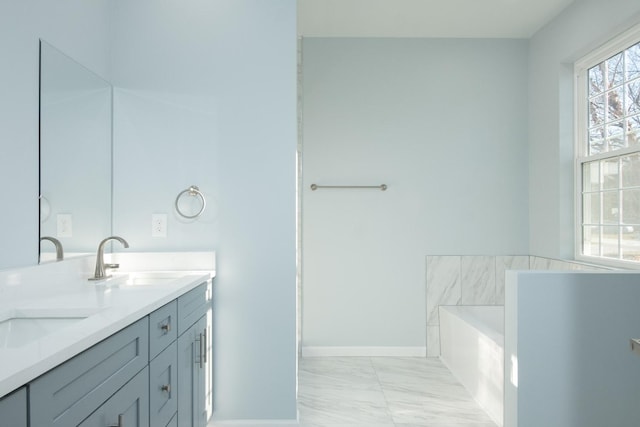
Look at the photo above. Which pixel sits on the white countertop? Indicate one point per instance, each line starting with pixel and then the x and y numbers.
pixel 110 306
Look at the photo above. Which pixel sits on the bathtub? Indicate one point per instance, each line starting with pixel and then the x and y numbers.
pixel 472 347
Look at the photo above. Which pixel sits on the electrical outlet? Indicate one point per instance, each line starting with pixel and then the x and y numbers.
pixel 64 223
pixel 159 225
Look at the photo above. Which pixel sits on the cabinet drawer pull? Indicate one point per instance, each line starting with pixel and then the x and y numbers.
pixel 120 421
pixel 204 353
pixel 166 327
pixel 201 360
pixel 166 388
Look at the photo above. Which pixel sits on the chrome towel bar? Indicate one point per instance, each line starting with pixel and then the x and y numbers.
pixel 382 187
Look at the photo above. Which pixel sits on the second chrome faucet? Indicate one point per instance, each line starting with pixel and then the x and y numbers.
pixel 57 244
pixel 100 265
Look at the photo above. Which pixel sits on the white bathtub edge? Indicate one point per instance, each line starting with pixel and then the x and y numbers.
pixel 462 344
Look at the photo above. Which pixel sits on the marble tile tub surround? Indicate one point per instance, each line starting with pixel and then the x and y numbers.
pixel 476 280
pixel 383 392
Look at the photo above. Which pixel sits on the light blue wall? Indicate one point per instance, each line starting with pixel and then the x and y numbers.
pixel 207 96
pixel 443 123
pixel 80 29
pixel 580 28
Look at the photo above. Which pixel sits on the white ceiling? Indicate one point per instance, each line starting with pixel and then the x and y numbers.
pixel 426 18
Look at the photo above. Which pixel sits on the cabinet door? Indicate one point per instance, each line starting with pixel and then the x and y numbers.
pixel 128 407
pixel 192 373
pixel 163 386
pixel 203 374
pixel 13 409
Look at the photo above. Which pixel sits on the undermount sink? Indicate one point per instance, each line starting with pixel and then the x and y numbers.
pixel 19 327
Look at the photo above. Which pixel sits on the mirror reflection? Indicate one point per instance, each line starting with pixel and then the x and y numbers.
pixel 75 156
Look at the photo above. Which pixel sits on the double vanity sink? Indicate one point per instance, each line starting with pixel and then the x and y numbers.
pixel 51 313
pixel 31 322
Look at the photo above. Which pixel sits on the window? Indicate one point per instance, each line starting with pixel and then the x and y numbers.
pixel 608 152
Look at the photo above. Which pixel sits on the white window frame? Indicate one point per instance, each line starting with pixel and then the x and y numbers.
pixel 581 68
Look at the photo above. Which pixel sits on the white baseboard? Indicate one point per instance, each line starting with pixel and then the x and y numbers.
pixel 364 351
pixel 254 423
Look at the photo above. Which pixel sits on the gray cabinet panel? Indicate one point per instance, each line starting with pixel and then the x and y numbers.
pixel 191 307
pixel 163 386
pixel 192 369
pixel 188 354
pixel 200 396
pixel 13 409
pixel 173 422
pixel 162 328
pixel 128 407
pixel 70 392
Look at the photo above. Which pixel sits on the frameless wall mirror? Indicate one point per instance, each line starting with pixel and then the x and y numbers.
pixel 75 155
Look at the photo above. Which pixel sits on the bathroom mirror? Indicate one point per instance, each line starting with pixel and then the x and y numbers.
pixel 75 155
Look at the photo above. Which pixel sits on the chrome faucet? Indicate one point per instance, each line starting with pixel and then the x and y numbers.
pixel 58 245
pixel 100 265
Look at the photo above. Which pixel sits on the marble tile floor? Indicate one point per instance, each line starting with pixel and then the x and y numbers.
pixel 383 392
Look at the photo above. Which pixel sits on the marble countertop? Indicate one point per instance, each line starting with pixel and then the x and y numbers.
pixel 103 308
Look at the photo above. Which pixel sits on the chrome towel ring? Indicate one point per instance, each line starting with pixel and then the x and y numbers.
pixel 195 192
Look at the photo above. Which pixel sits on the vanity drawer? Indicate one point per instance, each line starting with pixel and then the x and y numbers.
pixel 163 328
pixel 128 407
pixel 163 386
pixel 69 393
pixel 192 306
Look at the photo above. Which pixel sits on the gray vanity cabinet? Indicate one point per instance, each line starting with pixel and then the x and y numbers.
pixel 69 393
pixel 14 409
pixel 163 328
pixel 128 407
pixel 192 363
pixel 153 373
pixel 193 360
pixel 163 364
pixel 191 307
pixel 163 387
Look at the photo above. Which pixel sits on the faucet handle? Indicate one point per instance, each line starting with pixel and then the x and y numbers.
pixel 111 265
